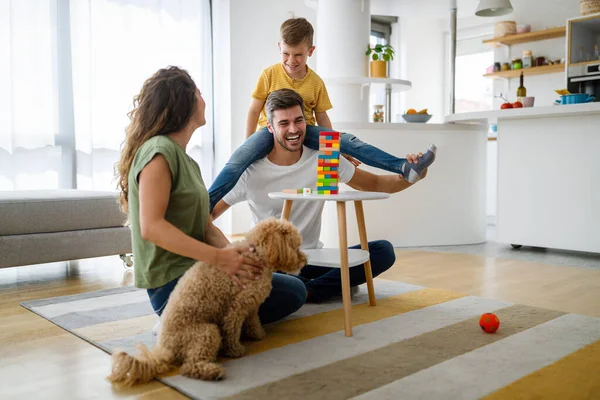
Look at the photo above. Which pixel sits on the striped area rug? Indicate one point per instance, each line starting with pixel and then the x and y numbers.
pixel 417 343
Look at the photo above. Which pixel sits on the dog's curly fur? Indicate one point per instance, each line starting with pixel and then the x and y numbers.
pixel 207 311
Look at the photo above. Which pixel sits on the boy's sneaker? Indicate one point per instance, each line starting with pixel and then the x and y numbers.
pixel 412 172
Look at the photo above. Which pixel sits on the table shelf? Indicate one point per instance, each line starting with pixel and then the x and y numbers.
pixel 329 257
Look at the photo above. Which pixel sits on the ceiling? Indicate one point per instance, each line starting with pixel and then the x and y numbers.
pixel 434 9
pixel 440 10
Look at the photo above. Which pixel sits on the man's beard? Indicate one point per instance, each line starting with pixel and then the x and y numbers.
pixel 283 142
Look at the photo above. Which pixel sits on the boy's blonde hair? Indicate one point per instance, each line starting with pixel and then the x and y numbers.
pixel 295 31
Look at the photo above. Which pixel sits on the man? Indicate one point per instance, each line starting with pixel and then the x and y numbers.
pixel 292 165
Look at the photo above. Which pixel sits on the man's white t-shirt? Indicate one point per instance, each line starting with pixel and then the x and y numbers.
pixel 264 177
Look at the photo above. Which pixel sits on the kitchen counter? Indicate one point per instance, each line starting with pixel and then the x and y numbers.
pixel 548 174
pixel 446 208
pixel 401 126
pixel 525 113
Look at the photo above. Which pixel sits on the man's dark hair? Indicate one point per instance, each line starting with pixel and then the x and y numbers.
pixel 282 99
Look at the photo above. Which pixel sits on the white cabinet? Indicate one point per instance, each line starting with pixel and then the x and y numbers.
pixel 549 181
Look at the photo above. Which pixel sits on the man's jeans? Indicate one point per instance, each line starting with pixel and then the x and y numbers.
pixel 260 144
pixel 323 283
pixel 287 296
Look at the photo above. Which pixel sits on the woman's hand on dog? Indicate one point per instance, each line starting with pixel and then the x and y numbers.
pixel 238 267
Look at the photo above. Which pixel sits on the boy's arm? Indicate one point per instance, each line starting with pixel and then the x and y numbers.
pixel 256 107
pixel 323 119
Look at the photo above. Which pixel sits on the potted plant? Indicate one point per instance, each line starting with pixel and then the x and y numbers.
pixel 380 55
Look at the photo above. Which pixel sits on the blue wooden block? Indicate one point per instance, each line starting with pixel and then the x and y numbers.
pixel 329 157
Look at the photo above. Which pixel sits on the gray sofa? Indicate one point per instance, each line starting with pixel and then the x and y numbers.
pixel 43 226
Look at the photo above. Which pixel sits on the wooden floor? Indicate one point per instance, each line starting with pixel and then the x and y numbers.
pixel 40 360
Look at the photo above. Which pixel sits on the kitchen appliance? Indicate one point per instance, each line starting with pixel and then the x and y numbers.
pixel 586 80
pixel 583 59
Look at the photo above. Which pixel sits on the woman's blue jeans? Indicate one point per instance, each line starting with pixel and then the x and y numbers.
pixel 260 144
pixel 287 296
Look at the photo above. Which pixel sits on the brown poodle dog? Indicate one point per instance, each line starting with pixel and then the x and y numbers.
pixel 207 310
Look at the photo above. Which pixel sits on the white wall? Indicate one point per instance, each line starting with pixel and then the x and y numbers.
pixel 245 42
pixel 418 38
pixel 421 60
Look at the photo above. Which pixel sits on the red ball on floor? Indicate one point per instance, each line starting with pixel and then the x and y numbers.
pixel 489 322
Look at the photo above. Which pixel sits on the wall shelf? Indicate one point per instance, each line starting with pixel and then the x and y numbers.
pixel 515 73
pixel 517 38
pixel 399 85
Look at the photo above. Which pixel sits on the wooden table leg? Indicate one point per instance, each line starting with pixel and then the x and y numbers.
pixel 341 212
pixel 287 209
pixel 364 244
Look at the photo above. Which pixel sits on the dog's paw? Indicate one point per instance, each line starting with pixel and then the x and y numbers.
pixel 256 333
pixel 207 371
pixel 234 351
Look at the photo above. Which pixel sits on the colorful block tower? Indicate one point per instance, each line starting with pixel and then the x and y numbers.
pixel 329 162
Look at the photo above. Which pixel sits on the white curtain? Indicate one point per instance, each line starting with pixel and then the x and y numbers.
pixel 74 67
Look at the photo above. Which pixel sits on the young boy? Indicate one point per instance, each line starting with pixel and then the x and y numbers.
pixel 296 46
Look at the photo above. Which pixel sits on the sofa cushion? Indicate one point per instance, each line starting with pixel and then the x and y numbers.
pixel 61 210
pixel 39 248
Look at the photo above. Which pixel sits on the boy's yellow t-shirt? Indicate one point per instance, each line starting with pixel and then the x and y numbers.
pixel 311 88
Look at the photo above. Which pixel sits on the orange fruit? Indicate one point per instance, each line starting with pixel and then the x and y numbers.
pixel 411 111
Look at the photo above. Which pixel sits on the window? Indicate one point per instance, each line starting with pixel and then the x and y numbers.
pixel 74 67
pixel 377 38
pixel 381 29
pixel 473 92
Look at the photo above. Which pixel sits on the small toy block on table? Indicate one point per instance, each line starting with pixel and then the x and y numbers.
pixel 298 191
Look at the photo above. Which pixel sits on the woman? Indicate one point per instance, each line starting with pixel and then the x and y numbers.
pixel 167 203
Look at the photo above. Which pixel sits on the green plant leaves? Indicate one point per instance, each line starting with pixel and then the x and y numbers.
pixel 380 52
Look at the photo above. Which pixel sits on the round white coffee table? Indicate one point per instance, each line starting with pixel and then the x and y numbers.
pixel 343 257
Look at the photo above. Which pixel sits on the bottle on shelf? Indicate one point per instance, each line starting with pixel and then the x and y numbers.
pixel 527 59
pixel 521 91
pixel 378 113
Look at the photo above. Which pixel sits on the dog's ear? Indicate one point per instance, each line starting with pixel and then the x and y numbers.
pixel 279 244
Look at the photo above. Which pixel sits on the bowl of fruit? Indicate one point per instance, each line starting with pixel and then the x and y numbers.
pixel 415 116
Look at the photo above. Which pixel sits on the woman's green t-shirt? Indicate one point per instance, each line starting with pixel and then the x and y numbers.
pixel 188 210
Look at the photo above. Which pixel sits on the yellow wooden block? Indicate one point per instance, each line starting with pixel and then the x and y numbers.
pixel 327 191
pixel 334 161
pixel 319 183
pixel 335 145
pixel 320 176
pixel 320 169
